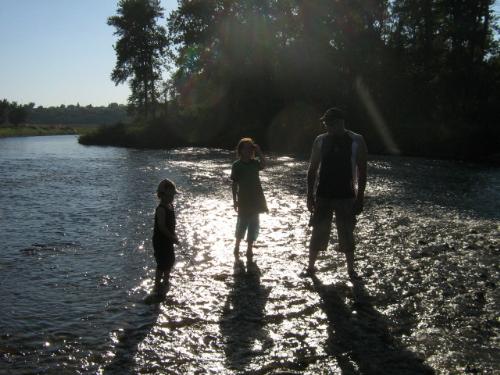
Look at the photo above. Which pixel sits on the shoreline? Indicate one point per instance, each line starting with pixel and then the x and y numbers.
pixel 43 130
pixel 490 161
pixel 84 130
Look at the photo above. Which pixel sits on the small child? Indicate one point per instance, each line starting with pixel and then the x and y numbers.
pixel 248 197
pixel 164 236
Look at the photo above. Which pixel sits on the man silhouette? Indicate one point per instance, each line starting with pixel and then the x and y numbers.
pixel 340 157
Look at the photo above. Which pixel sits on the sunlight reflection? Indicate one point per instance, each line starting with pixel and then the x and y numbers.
pixel 376 116
pixel 220 313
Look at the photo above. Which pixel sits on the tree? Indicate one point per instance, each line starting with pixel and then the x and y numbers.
pixel 443 48
pixel 18 113
pixel 428 68
pixel 4 107
pixel 140 51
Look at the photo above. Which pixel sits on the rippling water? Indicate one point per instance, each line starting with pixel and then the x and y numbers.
pixel 76 263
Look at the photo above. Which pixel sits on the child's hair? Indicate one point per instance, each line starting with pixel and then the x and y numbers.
pixel 241 143
pixel 166 187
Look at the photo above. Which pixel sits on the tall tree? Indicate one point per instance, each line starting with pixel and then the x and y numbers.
pixel 18 113
pixel 140 51
pixel 430 67
pixel 4 106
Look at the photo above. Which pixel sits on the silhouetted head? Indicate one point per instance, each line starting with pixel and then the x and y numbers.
pixel 334 120
pixel 166 189
pixel 245 148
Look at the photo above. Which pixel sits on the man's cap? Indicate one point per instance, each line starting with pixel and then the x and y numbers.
pixel 331 114
pixel 166 186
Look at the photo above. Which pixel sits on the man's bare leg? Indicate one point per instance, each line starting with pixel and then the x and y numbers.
pixel 313 255
pixel 250 249
pixel 349 257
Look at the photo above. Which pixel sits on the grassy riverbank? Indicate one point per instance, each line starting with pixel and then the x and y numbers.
pixel 154 135
pixel 36 130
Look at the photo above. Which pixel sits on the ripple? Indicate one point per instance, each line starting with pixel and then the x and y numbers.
pixel 73 285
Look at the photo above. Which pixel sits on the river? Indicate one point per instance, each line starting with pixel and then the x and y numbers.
pixel 76 264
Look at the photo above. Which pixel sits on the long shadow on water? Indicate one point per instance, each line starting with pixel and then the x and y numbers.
pixel 242 321
pixel 144 319
pixel 359 336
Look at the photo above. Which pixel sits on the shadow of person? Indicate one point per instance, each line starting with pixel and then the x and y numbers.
pixel 242 320
pixel 142 320
pixel 359 336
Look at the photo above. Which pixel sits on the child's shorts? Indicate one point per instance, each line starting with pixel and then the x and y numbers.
pixel 248 223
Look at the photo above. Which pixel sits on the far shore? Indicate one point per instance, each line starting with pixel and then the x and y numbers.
pixel 118 136
pixel 29 130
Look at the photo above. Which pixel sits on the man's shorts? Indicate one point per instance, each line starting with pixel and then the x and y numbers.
pixel 248 223
pixel 321 221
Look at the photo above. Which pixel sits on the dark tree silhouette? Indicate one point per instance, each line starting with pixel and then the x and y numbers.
pixel 140 51
pixel 420 77
pixel 18 113
pixel 4 106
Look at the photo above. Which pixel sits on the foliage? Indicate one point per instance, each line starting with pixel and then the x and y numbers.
pixel 140 51
pixel 408 72
pixel 67 115
pixel 415 77
pixel 79 115
pixel 13 112
pixel 4 106
pixel 33 130
pixel 154 135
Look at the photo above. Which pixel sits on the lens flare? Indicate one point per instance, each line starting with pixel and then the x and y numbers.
pixel 377 118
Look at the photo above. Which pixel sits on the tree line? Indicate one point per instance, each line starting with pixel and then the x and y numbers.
pixel 17 114
pixel 13 113
pixel 418 77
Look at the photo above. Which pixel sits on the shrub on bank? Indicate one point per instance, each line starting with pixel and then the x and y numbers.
pixel 31 130
pixel 156 134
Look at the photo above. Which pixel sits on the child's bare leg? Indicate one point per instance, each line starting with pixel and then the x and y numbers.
pixel 237 247
pixel 253 231
pixel 165 282
pixel 158 276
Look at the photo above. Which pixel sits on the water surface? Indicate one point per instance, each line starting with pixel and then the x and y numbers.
pixel 76 263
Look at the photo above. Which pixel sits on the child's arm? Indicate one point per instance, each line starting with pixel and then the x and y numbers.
pixel 234 188
pixel 162 224
pixel 262 159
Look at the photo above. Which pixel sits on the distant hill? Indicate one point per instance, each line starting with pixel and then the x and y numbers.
pixel 78 115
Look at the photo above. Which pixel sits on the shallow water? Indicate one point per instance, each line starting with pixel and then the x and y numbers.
pixel 76 263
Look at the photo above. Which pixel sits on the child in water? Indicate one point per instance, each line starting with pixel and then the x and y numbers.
pixel 248 197
pixel 164 236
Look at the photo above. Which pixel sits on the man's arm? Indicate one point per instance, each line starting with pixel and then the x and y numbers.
pixel 361 164
pixel 312 172
pixel 311 179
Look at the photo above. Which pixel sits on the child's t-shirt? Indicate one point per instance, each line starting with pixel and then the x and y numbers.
pixel 160 241
pixel 251 198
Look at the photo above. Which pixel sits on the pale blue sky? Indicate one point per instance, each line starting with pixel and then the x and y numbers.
pixel 56 52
